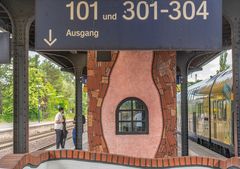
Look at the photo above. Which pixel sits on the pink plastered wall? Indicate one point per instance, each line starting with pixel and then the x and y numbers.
pixel 132 77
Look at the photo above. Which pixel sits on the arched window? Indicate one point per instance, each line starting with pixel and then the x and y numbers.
pixel 132 117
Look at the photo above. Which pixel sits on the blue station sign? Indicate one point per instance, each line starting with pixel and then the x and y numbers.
pixel 128 24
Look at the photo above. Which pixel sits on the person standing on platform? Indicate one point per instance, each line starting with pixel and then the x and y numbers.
pixel 65 132
pixel 74 133
pixel 58 126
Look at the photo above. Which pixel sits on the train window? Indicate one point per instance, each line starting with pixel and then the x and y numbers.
pixel 132 117
pixel 199 110
pixel 222 109
pixel 214 109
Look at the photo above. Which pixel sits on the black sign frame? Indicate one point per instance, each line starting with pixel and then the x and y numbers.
pixel 58 30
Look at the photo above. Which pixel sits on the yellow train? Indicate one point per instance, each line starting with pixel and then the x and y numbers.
pixel 210 116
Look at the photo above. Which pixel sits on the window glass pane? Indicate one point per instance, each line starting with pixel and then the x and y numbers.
pixel 139 126
pixel 138 105
pixel 138 115
pixel 126 105
pixel 224 110
pixel 132 117
pixel 220 110
pixel 125 127
pixel 125 116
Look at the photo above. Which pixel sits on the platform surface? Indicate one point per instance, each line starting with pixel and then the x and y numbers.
pixel 199 150
pixel 194 148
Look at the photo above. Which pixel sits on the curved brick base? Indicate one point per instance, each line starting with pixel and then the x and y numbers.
pixel 16 161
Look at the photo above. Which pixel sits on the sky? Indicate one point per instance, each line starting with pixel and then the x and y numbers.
pixel 210 69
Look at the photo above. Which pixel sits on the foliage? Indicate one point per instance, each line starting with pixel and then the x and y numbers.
pixel 84 103
pixel 6 93
pixel 223 62
pixel 49 88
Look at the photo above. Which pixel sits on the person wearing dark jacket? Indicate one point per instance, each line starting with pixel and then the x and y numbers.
pixel 65 132
pixel 74 133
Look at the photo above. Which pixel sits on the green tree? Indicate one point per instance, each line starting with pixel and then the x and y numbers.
pixel 223 62
pixel 85 103
pixel 6 89
pixel 49 87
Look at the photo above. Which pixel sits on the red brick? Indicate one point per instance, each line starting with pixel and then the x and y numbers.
pixel 70 154
pixel 27 159
pixel 143 162
pixel 204 161
pixel 216 163
pixel 126 160
pixel 182 161
pixel 21 164
pixel 114 159
pixel 23 160
pixel 188 161
pixel 223 164
pixel 210 162
pixel 154 163
pixel 81 155
pixel 131 161
pixel 149 163
pixel 165 162
pixel 137 161
pixel 109 158
pixel 51 154
pixel 176 161
pixel 199 160
pixel 104 157
pixel 235 161
pixel 75 154
pixel 98 157
pixel 120 159
pixel 194 160
pixel 87 156
pixel 93 156
pixel 160 163
pixel 171 162
pixel 64 154
pixel 45 156
pixel 58 154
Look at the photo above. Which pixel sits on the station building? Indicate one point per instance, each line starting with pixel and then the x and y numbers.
pixel 132 96
pixel 132 104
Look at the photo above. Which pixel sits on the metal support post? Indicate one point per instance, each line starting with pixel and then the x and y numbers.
pixel 184 111
pixel 79 124
pixel 236 83
pixel 20 69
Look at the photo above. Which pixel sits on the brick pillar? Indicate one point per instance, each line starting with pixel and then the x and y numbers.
pixel 164 75
pixel 98 81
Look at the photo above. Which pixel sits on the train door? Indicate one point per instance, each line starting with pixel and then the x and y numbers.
pixel 205 117
pixel 214 118
pixel 194 122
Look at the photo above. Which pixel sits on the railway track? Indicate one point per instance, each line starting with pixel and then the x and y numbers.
pixel 34 138
pixel 39 140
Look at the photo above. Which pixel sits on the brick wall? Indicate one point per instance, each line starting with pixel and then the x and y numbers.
pixel 164 75
pixel 163 72
pixel 98 81
pixel 18 161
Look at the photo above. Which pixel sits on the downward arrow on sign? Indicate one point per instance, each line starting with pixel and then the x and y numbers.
pixel 49 41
